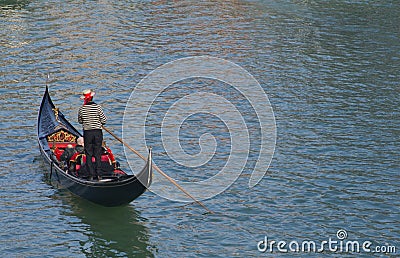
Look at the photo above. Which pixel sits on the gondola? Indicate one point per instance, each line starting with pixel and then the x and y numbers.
pixel 54 132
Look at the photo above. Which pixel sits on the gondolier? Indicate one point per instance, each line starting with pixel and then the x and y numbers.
pixel 92 117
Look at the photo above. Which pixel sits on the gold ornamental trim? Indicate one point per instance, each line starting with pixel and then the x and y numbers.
pixel 61 136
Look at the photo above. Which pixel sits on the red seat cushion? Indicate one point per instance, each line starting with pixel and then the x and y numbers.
pixel 60 147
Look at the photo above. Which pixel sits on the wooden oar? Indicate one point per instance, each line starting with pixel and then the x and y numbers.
pixel 158 169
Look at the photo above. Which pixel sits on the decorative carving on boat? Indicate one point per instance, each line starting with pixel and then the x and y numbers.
pixel 61 136
pixel 55 110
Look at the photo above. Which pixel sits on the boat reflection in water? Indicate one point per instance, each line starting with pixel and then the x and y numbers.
pixel 110 231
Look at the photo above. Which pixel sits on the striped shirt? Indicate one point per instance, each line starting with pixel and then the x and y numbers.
pixel 91 116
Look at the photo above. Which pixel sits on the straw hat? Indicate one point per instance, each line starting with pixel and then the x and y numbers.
pixel 87 94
